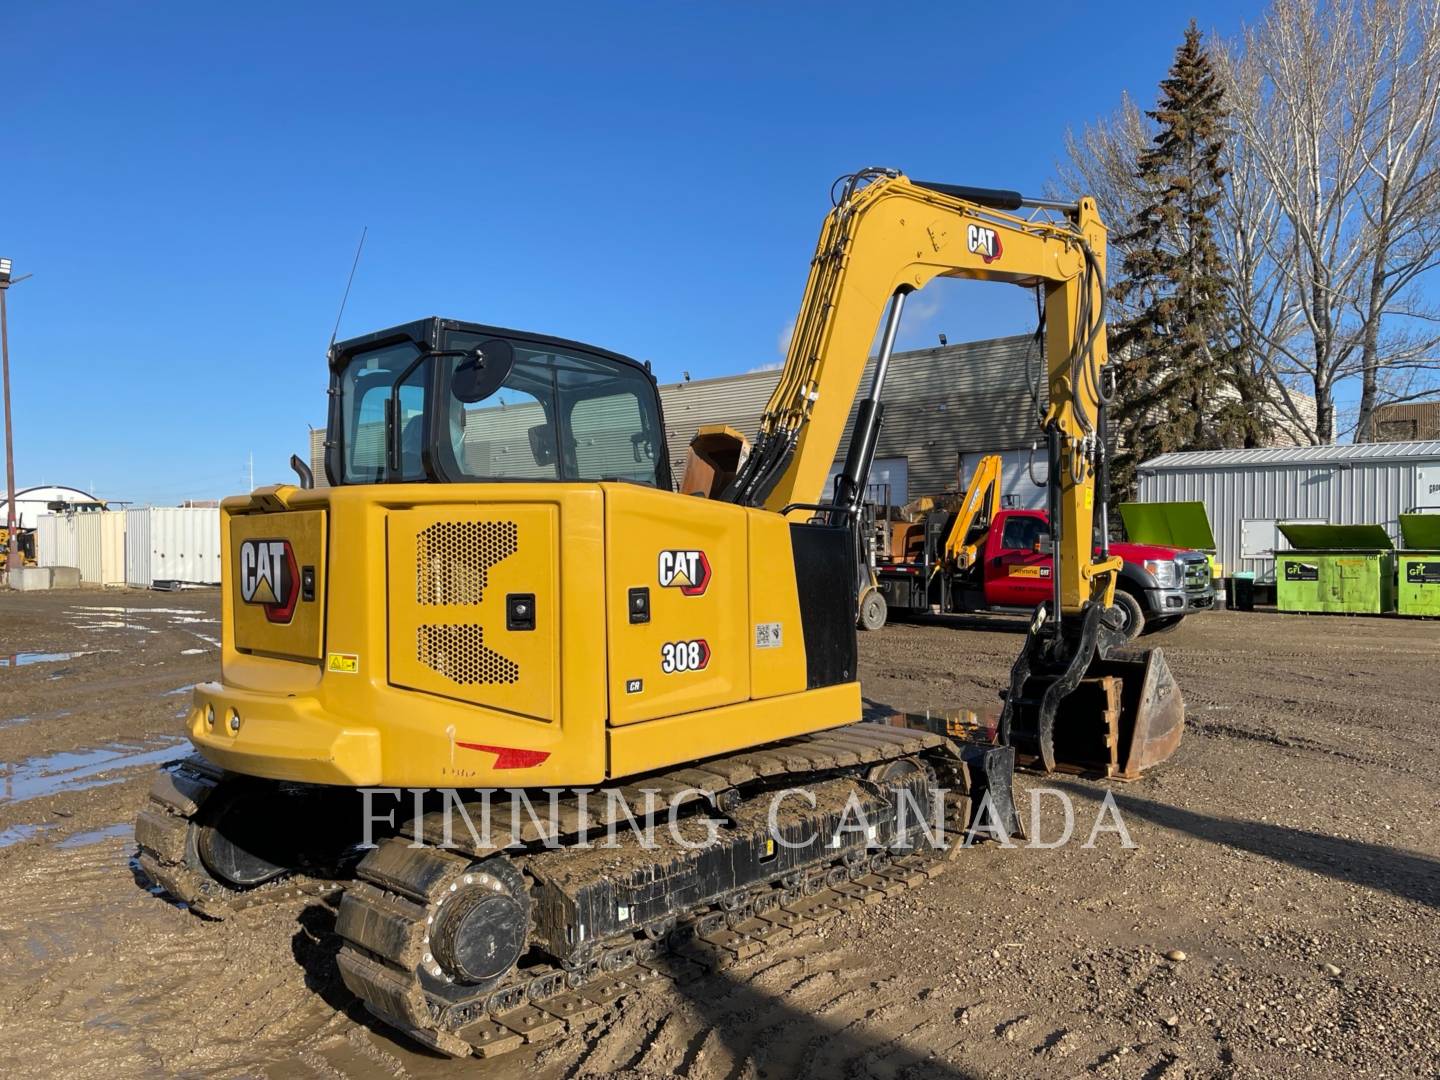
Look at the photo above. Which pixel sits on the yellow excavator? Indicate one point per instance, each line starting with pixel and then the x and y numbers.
pixel 954 524
pixel 500 605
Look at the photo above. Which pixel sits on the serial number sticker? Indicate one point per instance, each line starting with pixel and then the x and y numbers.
pixel 343 663
pixel 768 635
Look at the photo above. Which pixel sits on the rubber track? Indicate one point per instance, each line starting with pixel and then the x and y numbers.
pixel 383 916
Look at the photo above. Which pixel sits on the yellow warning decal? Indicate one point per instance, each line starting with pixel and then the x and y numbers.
pixel 343 663
pixel 1030 571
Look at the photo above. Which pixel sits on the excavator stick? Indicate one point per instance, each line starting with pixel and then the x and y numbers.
pixel 1082 703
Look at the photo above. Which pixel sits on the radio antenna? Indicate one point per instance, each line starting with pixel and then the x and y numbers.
pixel 349 281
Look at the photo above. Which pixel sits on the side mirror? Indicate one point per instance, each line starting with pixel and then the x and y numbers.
pixel 542 444
pixel 1042 544
pixel 482 370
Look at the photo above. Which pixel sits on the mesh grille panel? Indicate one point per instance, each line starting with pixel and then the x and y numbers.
pixel 459 653
pixel 453 559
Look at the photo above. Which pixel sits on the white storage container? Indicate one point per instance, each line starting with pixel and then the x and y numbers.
pixel 57 543
pixel 100 544
pixel 137 549
pixel 45 538
pixel 171 545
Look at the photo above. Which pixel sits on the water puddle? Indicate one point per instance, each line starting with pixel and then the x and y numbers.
pixel 77 770
pixel 138 620
pixel 117 831
pixel 17 833
pixel 25 658
pixel 16 721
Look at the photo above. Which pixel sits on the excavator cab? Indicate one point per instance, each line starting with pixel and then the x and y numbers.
pixel 443 401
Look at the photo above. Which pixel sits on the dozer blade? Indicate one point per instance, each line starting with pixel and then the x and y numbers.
pixel 1088 705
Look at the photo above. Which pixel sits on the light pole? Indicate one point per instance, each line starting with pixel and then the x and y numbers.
pixel 12 538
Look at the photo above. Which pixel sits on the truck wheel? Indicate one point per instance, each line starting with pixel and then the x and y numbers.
pixel 873 610
pixel 1132 615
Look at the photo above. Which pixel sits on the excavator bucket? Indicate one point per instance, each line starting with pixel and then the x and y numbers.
pixel 1088 705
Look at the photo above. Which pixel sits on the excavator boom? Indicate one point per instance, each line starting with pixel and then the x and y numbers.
pixel 887 237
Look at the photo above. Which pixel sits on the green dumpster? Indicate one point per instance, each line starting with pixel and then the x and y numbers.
pixel 1418 590
pixel 1172 524
pixel 1335 568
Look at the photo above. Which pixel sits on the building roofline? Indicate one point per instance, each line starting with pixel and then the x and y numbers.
pixel 1420 450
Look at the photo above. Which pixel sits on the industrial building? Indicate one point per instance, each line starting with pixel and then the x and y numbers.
pixel 1407 422
pixel 1248 493
pixel 944 408
pixel 31 502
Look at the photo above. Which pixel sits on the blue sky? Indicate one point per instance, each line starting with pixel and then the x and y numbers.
pixel 188 182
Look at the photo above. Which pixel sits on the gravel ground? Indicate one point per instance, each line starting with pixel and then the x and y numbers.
pixel 1288 853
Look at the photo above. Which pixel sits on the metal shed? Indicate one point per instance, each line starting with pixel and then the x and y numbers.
pixel 1247 493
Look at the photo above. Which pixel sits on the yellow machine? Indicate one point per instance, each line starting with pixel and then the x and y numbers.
pixel 905 541
pixel 500 591
pixel 969 515
pixel 24 543
pixel 977 509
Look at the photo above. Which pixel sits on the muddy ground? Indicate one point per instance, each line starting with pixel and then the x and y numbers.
pixel 1289 851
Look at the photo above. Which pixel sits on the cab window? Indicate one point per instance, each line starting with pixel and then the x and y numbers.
pixel 1021 533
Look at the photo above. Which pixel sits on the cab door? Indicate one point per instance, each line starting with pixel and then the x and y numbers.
pixel 1016 574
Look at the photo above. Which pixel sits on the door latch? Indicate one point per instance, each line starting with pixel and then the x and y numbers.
pixel 520 611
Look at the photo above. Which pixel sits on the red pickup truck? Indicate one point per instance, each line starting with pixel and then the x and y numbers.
pixel 1158 586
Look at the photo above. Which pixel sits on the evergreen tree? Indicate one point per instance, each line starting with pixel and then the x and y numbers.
pixel 1173 351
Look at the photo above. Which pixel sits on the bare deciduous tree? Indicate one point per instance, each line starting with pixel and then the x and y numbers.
pixel 1330 220
pixel 1334 104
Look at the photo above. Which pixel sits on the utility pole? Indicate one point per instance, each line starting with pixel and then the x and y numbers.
pixel 12 538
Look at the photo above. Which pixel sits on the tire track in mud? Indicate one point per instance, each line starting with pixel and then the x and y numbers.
pixel 168 992
pixel 99 978
pixel 813 1010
